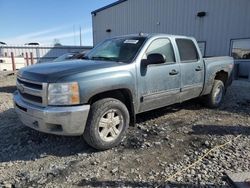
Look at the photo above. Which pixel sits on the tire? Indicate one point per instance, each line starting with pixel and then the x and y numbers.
pixel 107 123
pixel 215 98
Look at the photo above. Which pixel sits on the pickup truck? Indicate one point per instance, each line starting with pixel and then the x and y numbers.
pixel 99 96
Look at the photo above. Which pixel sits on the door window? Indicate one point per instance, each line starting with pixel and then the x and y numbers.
pixel 162 46
pixel 187 50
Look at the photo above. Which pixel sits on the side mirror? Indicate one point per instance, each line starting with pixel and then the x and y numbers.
pixel 156 58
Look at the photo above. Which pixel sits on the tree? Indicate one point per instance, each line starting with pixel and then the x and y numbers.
pixel 57 42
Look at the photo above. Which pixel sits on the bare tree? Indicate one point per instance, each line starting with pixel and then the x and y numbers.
pixel 57 42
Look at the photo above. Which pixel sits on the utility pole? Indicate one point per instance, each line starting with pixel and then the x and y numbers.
pixel 74 34
pixel 80 36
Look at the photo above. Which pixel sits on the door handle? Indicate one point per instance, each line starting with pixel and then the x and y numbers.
pixel 173 72
pixel 198 68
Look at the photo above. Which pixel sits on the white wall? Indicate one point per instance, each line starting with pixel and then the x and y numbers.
pixel 40 53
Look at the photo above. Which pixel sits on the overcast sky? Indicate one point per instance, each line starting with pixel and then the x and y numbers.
pixel 24 21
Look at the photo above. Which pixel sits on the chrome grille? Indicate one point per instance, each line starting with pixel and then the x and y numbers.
pixel 32 92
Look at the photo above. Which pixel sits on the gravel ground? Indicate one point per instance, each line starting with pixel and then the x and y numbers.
pixel 162 143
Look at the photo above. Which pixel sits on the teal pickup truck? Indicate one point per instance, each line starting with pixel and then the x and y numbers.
pixel 99 96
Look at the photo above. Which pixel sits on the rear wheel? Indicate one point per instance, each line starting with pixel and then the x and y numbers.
pixel 215 98
pixel 107 124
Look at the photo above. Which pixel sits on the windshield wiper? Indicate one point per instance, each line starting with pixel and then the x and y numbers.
pixel 84 57
pixel 104 58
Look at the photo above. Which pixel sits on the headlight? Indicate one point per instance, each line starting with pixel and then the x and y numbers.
pixel 63 94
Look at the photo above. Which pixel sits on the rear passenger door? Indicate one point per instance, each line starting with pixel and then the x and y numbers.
pixel 192 69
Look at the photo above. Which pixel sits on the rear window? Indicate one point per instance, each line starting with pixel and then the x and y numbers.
pixel 187 50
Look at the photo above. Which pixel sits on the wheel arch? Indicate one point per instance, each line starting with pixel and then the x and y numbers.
pixel 223 76
pixel 123 94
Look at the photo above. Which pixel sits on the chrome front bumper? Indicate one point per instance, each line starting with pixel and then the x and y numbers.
pixel 69 121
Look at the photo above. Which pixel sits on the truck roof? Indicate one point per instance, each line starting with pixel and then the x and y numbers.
pixel 149 35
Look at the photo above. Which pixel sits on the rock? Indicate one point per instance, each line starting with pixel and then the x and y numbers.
pixel 43 155
pixel 148 144
pixel 157 143
pixel 114 170
pixel 179 178
pixel 207 144
pixel 199 176
pixel 42 181
pixel 7 185
pixel 138 160
pixel 82 154
pixel 167 138
pixel 95 162
pixel 141 127
pixel 192 172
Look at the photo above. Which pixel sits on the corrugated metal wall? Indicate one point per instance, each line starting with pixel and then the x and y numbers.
pixel 225 20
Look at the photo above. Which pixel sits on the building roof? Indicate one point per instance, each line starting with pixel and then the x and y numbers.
pixel 108 6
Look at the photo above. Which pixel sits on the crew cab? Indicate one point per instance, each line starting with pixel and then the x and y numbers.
pixel 99 96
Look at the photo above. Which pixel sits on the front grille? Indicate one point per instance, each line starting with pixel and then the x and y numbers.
pixel 32 92
pixel 31 97
pixel 31 85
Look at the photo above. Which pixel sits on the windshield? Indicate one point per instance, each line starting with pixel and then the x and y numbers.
pixel 117 49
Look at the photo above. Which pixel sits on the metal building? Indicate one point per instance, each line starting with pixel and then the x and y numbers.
pixel 222 27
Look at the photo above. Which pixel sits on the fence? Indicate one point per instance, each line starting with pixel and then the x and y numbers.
pixel 34 54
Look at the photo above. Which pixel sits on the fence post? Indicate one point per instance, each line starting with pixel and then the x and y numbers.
pixel 31 58
pixel 13 61
pixel 5 54
pixel 27 58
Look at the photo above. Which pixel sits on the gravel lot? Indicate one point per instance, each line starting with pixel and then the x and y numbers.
pixel 162 142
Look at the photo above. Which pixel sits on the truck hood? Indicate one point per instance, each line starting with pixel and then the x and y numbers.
pixel 51 72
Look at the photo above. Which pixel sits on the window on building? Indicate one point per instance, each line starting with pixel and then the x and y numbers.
pixel 240 49
pixel 187 50
pixel 202 46
pixel 164 47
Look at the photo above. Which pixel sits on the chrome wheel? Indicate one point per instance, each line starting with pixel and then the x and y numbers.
pixel 218 94
pixel 111 125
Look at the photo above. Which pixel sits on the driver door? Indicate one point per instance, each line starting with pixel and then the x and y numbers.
pixel 159 83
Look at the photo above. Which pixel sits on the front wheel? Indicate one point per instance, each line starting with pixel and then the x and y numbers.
pixel 215 98
pixel 107 123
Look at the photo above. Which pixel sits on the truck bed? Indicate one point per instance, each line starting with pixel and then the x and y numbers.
pixel 222 59
pixel 214 65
